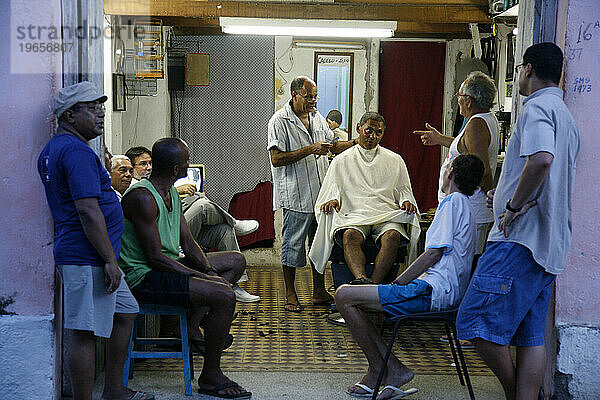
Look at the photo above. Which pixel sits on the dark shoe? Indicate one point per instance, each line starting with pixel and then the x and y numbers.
pixel 362 281
pixel 336 319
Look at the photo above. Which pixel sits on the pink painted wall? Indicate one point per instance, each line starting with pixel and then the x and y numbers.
pixel 578 288
pixel 26 263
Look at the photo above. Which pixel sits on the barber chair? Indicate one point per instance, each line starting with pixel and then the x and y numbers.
pixel 341 273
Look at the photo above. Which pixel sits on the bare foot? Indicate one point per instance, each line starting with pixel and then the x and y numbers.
pixel 397 377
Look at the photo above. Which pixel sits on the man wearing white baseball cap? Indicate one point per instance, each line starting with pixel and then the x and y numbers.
pixel 88 223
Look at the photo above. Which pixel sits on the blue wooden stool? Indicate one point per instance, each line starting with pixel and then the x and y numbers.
pixel 184 354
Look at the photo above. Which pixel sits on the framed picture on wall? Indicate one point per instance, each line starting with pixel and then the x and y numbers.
pixel 118 83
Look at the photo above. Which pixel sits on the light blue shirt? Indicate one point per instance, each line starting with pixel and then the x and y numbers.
pixel 545 124
pixel 296 186
pixel 452 229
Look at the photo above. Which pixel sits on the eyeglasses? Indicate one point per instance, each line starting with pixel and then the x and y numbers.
pixel 309 98
pixel 517 67
pixel 461 95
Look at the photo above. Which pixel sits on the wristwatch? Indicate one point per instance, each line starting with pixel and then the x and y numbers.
pixel 511 209
pixel 354 142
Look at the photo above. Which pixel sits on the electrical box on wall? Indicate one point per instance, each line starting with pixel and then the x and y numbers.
pixel 197 71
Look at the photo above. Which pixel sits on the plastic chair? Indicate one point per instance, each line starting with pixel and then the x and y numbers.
pixel 184 354
pixel 449 319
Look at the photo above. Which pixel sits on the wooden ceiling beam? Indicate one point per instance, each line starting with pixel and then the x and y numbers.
pixel 484 4
pixel 210 26
pixel 356 11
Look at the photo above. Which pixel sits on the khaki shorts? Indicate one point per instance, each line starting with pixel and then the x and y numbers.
pixel 87 305
pixel 374 230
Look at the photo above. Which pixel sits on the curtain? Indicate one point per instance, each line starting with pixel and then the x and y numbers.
pixel 411 83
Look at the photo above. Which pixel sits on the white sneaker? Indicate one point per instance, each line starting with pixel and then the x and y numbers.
pixel 245 227
pixel 243 296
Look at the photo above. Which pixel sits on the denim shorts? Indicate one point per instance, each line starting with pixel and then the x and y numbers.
pixel 87 304
pixel 296 227
pixel 415 297
pixel 507 299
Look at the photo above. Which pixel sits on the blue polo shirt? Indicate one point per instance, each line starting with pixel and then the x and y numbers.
pixel 70 170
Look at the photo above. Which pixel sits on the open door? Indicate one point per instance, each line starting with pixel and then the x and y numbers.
pixel 411 84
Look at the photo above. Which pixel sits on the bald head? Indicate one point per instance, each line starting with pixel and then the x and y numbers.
pixel 170 157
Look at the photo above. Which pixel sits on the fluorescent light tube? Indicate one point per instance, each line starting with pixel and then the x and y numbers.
pixel 353 46
pixel 307 28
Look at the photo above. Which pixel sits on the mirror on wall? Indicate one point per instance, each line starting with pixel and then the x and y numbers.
pixel 334 77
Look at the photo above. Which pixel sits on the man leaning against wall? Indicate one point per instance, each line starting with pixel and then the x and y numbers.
pixel 88 224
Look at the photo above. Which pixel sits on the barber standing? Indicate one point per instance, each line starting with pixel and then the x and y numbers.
pixel 299 139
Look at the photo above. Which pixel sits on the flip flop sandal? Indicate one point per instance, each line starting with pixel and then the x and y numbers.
pixel 141 396
pixel 368 391
pixel 398 393
pixel 215 391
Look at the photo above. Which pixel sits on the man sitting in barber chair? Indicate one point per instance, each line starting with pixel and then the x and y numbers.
pixel 369 189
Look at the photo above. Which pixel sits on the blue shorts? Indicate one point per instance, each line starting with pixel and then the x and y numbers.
pixel 296 227
pixel 405 299
pixel 507 299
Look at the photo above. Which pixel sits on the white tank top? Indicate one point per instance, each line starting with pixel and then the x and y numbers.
pixel 481 213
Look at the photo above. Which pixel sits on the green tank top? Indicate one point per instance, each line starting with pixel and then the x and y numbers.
pixel 132 260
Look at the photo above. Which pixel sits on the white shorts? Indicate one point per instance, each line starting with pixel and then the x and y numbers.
pixel 87 304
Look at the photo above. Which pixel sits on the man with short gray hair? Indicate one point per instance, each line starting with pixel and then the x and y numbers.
pixel 121 172
pixel 88 223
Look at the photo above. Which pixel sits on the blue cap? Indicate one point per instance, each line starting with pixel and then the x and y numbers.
pixel 80 92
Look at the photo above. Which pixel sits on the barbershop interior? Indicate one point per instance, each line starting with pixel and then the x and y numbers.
pixel 213 74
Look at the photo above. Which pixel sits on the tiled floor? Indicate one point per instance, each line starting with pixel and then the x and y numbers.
pixel 267 338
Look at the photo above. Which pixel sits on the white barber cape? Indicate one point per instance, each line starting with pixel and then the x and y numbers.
pixel 370 186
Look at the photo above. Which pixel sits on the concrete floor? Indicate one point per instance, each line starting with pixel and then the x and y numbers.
pixel 305 386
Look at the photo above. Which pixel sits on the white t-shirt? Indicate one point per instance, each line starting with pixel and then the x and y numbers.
pixel 453 229
pixel 545 124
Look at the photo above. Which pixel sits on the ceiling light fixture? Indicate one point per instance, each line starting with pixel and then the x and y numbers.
pixel 329 45
pixel 307 27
